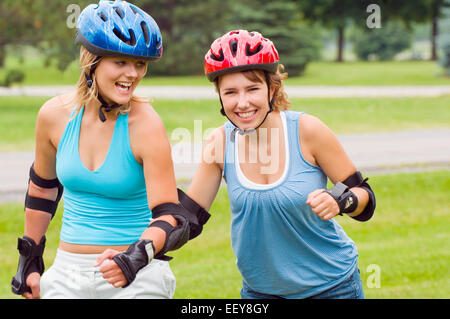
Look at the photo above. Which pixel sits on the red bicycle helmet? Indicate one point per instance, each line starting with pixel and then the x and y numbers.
pixel 240 50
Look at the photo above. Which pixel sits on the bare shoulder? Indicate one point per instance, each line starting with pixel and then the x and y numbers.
pixel 324 148
pixel 50 124
pixel 312 130
pixel 53 117
pixel 311 126
pixel 148 135
pixel 315 138
pixel 144 119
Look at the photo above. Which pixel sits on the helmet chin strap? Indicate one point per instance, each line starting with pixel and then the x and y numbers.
pixel 104 104
pixel 248 131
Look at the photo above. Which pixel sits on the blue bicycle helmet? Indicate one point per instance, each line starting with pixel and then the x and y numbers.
pixel 118 28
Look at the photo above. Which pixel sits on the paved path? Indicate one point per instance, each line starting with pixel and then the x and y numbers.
pixel 372 153
pixel 208 92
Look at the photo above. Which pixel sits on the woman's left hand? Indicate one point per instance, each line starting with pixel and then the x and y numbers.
pixel 322 204
pixel 110 270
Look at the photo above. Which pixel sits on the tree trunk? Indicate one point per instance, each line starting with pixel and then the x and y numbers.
pixel 2 55
pixel 340 44
pixel 434 34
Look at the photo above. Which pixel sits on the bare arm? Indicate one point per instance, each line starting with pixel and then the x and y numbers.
pixel 152 146
pixel 160 180
pixel 329 154
pixel 36 221
pixel 206 181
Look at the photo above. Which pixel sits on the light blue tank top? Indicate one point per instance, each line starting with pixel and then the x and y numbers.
pixel 282 247
pixel 104 207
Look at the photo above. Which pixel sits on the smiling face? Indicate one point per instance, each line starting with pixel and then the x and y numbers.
pixel 118 77
pixel 244 98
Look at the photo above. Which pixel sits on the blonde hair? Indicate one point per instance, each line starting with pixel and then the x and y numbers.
pixel 281 101
pixel 85 94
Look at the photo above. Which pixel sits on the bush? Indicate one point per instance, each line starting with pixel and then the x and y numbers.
pixel 12 76
pixel 383 43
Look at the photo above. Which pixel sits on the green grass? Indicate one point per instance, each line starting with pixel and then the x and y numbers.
pixel 342 115
pixel 17 122
pixel 317 73
pixel 372 73
pixel 408 239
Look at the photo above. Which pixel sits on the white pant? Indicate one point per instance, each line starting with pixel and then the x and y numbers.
pixel 74 276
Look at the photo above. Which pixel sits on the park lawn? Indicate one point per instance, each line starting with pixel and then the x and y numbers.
pixel 342 115
pixel 406 241
pixel 316 73
pixel 360 73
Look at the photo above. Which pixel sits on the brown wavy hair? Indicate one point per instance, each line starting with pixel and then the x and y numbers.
pixel 281 101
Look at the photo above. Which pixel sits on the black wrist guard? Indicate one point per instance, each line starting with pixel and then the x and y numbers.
pixel 30 261
pixel 345 198
pixel 136 257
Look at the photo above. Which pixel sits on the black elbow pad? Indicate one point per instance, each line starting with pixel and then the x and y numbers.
pixel 197 215
pixel 43 204
pixel 190 217
pixel 177 236
pixel 356 180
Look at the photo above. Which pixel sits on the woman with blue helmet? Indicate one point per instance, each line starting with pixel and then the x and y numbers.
pixel 109 151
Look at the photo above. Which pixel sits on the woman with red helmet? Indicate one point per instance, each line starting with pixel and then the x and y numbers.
pixel 276 163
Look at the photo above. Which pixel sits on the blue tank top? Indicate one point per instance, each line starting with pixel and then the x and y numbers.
pixel 104 207
pixel 282 247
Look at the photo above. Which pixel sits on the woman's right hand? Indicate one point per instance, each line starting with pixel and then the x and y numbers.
pixel 34 282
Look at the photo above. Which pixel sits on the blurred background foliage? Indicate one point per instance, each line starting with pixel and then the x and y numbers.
pixel 301 29
pixel 381 44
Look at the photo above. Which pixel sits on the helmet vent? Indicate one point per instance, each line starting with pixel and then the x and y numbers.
pixel 144 28
pixel 119 12
pixel 103 16
pixel 250 52
pixel 135 11
pixel 233 47
pixel 130 41
pixel 218 58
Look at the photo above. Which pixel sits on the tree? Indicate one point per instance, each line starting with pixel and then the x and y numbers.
pixel 444 41
pixel 57 32
pixel 335 14
pixel 188 27
pixel 40 23
pixel 17 25
pixel 418 11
